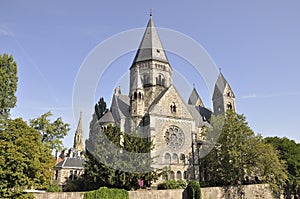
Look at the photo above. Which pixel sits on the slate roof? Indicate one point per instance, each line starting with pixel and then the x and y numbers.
pixel 69 162
pixel 220 86
pixel 150 47
pixel 120 107
pixel 107 118
pixel 195 99
pixel 137 82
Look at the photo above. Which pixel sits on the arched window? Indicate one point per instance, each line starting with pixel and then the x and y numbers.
pixel 173 107
pixel 167 158
pixel 178 175
pixel 175 158
pixel 160 80
pixel 229 106
pixel 172 175
pixel 134 95
pixel 185 176
pixel 146 79
pixel 182 158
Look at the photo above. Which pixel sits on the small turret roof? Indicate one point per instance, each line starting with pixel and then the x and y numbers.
pixel 220 86
pixel 195 99
pixel 137 82
pixel 150 47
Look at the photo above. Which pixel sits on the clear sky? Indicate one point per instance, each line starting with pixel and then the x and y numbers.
pixel 256 43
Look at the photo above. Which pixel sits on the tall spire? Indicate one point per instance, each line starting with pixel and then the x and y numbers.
pixel 150 47
pixel 78 138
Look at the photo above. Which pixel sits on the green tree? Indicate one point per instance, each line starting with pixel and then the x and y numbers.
pixel 241 157
pixel 52 133
pixel 289 151
pixel 8 84
pixel 24 161
pixel 97 173
pixel 100 108
pixel 100 152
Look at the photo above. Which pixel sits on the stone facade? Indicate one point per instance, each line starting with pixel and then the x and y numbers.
pixel 155 108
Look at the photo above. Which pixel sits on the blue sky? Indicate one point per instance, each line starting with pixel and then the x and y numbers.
pixel 256 43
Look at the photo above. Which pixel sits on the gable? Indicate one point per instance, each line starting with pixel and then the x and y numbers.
pixel 228 91
pixel 170 104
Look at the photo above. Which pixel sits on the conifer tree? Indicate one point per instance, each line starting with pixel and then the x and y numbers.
pixel 100 108
pixel 8 84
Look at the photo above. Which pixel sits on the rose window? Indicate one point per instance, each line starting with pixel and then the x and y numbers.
pixel 174 137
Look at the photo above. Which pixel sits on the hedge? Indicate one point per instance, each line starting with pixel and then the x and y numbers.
pixel 172 184
pixel 193 190
pixel 107 193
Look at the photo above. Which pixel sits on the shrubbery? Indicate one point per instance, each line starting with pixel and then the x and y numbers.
pixel 193 190
pixel 54 188
pixel 106 193
pixel 172 184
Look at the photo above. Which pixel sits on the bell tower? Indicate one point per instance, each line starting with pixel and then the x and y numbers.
pixel 151 67
pixel 223 97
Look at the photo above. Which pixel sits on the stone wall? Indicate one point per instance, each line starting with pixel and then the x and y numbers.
pixel 59 195
pixel 261 191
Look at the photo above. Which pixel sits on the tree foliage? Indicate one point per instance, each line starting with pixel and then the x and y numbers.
pixel 289 151
pixel 194 190
pixel 100 155
pixel 8 84
pixel 24 161
pixel 100 108
pixel 241 157
pixel 52 133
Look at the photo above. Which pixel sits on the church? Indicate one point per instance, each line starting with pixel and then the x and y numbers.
pixel 154 107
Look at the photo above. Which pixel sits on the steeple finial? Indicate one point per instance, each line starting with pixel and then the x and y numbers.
pixel 150 12
pixel 220 69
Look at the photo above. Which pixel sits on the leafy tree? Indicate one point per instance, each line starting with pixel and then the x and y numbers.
pixel 24 161
pixel 52 133
pixel 289 151
pixel 8 84
pixel 239 153
pixel 99 152
pixel 100 108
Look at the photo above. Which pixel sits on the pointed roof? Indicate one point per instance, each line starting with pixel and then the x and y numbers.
pixel 195 99
pixel 150 47
pixel 137 82
pixel 107 118
pixel 78 138
pixel 220 86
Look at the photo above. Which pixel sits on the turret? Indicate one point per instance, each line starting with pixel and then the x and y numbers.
pixel 223 97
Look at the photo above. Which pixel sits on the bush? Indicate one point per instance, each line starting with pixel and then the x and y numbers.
pixel 193 190
pixel 106 193
pixel 172 184
pixel 54 188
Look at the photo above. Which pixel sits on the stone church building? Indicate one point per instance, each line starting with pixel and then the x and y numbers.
pixel 154 107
